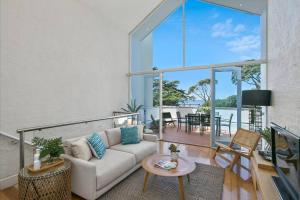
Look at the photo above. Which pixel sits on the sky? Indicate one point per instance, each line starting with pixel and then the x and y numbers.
pixel 214 34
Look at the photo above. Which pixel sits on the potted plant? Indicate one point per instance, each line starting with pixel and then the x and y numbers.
pixel 50 149
pixel 266 135
pixel 266 150
pixel 132 108
pixel 174 152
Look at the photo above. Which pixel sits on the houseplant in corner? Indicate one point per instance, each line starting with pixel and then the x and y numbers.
pixel 174 152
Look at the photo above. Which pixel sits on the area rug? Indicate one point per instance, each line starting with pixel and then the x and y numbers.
pixel 206 183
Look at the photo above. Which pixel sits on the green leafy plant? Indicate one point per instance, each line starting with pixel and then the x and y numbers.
pixel 49 147
pixel 154 125
pixel 132 107
pixel 204 109
pixel 266 134
pixel 173 148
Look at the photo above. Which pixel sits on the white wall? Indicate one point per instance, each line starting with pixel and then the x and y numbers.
pixel 284 63
pixel 63 60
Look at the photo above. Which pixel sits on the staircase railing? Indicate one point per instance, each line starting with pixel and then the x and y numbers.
pixel 22 131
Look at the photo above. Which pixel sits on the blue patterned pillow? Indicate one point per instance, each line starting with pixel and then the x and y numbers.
pixel 97 145
pixel 130 135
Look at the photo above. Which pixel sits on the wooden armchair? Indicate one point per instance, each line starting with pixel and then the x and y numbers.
pixel 247 140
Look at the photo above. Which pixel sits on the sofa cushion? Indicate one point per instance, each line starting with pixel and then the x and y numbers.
pixel 97 145
pixel 67 143
pixel 130 135
pixel 113 136
pixel 140 150
pixel 140 130
pixel 112 165
pixel 81 150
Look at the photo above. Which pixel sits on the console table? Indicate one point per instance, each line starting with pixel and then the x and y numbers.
pixel 262 178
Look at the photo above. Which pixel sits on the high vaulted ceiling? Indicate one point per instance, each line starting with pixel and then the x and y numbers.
pixel 127 14
pixel 124 13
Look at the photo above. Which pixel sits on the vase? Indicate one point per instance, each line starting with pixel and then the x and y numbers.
pixel 174 156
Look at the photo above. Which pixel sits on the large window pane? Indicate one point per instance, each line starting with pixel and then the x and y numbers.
pixel 167 42
pixel 216 34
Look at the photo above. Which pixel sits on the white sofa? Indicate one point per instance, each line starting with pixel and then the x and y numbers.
pixel 91 179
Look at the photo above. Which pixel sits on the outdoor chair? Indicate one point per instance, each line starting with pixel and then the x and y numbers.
pixel 205 120
pixel 155 125
pixel 227 123
pixel 167 119
pixel 180 120
pixel 193 120
pixel 247 142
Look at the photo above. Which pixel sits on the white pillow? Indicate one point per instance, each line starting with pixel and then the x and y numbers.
pixel 81 150
pixel 141 131
pixel 113 136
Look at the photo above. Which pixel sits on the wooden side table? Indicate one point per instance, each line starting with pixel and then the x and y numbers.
pixel 54 183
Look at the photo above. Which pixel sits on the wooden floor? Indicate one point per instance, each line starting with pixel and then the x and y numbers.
pixel 195 137
pixel 237 185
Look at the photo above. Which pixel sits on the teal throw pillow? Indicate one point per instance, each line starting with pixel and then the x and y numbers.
pixel 130 135
pixel 97 145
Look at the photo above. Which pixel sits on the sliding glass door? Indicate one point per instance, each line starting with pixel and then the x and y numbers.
pixel 226 103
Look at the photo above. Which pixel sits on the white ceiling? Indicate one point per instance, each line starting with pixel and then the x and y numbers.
pixel 123 13
pixel 252 6
pixel 128 14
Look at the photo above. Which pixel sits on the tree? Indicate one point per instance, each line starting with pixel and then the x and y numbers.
pixel 201 90
pixel 227 102
pixel 172 95
pixel 250 74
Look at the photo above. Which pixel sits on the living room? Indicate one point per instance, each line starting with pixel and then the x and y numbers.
pixel 66 66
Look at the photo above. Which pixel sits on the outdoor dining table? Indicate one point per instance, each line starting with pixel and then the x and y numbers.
pixel 191 115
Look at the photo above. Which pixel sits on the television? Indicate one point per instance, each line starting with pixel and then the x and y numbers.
pixel 286 161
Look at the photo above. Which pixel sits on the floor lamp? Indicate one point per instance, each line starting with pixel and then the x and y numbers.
pixel 256 98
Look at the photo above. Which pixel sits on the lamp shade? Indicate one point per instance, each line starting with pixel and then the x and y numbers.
pixel 256 97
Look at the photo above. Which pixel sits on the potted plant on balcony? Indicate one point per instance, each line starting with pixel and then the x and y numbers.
pixel 174 152
pixel 133 108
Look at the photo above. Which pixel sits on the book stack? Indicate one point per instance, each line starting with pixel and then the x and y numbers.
pixel 164 164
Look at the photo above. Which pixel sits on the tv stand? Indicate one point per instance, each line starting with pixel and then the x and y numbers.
pixel 262 174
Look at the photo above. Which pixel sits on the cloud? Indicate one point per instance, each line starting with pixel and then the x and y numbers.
pixel 244 43
pixel 239 28
pixel 215 15
pixel 227 29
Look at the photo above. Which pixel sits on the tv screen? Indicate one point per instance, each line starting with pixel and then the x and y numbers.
pixel 285 157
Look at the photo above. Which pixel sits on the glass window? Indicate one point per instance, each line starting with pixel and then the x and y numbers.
pixel 216 34
pixel 167 42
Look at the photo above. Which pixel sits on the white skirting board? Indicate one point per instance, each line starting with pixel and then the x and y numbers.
pixel 8 181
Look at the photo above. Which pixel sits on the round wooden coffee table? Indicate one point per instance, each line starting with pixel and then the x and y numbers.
pixel 184 168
